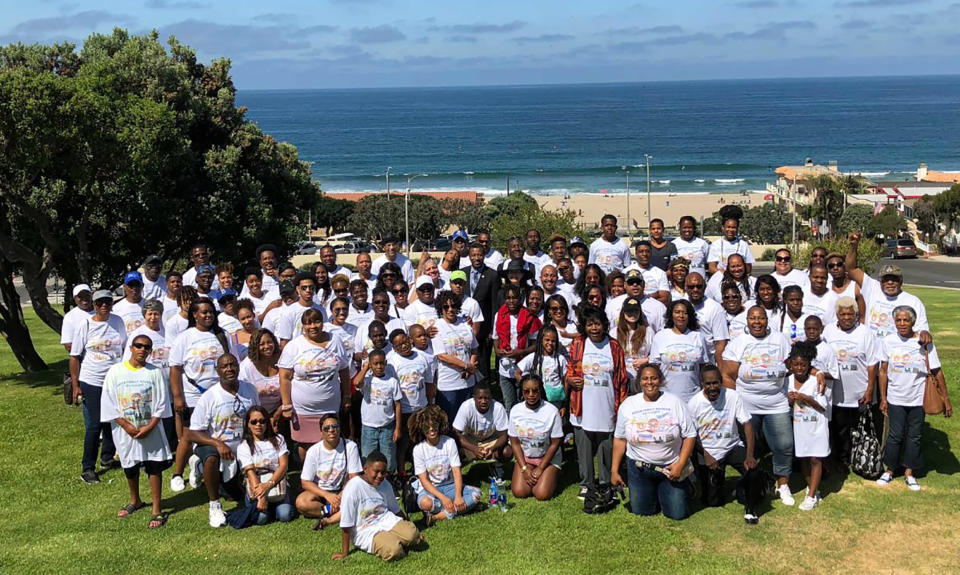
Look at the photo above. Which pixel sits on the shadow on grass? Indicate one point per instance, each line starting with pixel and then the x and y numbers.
pixel 937 453
pixel 52 377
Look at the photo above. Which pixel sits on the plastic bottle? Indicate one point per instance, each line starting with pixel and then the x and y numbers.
pixel 502 496
pixel 494 492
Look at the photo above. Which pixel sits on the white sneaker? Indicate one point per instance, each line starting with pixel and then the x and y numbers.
pixel 809 503
pixel 176 484
pixel 912 483
pixel 785 496
pixel 217 517
pixel 193 464
pixel 885 479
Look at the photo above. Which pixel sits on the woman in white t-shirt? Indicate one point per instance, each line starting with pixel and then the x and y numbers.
pixel 259 368
pixel 679 268
pixel 263 458
pixel 329 464
pixel 247 317
pixel 455 349
pixel 314 379
pixel 535 433
pixel 441 493
pixel 904 368
pixel 679 349
pixel 736 314
pixel 178 323
pixel 768 297
pixel 691 247
pixel 558 315
pixel 657 435
pixel 634 335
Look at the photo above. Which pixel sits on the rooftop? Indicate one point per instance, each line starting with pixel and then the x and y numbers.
pixel 468 195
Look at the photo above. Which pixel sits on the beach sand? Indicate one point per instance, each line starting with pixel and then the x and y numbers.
pixel 590 208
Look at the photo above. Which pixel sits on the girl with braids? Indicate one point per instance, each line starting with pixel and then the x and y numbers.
pixel 535 433
pixel 178 323
pixel 441 493
pixel 810 406
pixel 634 336
pixel 549 363
pixel 791 321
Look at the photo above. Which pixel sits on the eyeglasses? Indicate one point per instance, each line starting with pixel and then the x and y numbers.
pixel 449 306
pixel 834 265
pixel 101 302
pixel 429 426
pixel 634 281
pixel 258 422
pixel 732 296
pixel 331 427
pixel 783 258
pixel 398 291
pixel 694 286
pixel 339 311
pixel 145 346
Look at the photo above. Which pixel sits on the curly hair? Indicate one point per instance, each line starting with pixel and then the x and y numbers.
pixel 446 297
pixel 592 313
pixel 426 417
pixel 253 348
pixel 692 323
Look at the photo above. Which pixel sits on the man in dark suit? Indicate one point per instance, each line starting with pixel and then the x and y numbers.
pixel 484 284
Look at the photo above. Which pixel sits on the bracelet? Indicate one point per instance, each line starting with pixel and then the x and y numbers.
pixel 524 468
pixel 286 408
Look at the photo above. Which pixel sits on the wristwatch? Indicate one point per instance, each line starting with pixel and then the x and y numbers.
pixel 524 468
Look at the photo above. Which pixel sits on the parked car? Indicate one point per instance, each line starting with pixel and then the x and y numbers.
pixel 900 248
pixel 355 248
pixel 306 249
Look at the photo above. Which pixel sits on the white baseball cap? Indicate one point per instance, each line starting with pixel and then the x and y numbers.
pixel 80 288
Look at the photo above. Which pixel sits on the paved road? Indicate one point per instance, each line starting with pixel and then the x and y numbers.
pixel 940 272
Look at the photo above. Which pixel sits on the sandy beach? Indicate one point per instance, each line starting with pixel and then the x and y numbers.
pixel 668 207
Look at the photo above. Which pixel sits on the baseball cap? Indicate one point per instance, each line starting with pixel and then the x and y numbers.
pixel 460 235
pixel 891 270
pixel 132 276
pixel 287 287
pixel 425 280
pixel 152 258
pixel 80 288
pixel 632 304
pixel 102 294
pixel 633 274
pixel 458 275
pixel 225 293
pixel 577 240
pixel 206 269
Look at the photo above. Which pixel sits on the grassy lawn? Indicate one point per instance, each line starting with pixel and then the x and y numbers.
pixel 53 522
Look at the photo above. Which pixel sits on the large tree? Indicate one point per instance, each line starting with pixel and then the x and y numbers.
pixel 130 147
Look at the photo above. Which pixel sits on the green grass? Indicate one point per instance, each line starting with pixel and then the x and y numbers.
pixel 52 522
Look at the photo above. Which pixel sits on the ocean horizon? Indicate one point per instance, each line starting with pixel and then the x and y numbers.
pixel 703 136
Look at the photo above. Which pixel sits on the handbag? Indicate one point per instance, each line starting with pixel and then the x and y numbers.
pixel 276 494
pixel 866 456
pixel 67 389
pixel 933 402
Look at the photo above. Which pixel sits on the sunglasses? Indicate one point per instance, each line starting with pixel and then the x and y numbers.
pixel 733 296
pixel 783 258
pixel 101 302
pixel 340 291
pixel 330 428
pixel 450 306
pixel 634 281
pixel 142 346
pixel 562 269
pixel 834 265
pixel 694 286
pixel 258 422
pixel 555 308
pixel 429 427
pixel 339 311
pixel 398 291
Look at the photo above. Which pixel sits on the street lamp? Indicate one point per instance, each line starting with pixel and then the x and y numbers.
pixel 649 214
pixel 388 181
pixel 406 209
pixel 626 169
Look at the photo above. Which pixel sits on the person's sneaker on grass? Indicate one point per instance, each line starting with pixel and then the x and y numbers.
pixel 785 496
pixel 582 494
pixel 176 484
pixel 110 464
pixel 90 477
pixel 750 518
pixel 885 479
pixel 217 517
pixel 912 483
pixel 809 503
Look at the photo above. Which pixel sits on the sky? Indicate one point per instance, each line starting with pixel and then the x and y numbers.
pixel 309 44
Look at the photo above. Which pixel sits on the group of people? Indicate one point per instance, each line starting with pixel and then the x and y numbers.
pixel 662 364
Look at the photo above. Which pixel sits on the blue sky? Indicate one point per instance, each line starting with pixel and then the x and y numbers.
pixel 374 43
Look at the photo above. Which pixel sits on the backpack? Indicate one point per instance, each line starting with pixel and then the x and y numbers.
pixel 599 499
pixel 408 496
pixel 866 457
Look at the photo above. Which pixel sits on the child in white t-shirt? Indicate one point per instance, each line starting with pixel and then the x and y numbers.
pixel 811 434
pixel 549 362
pixel 380 409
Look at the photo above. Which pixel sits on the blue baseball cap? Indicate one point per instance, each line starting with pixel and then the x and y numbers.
pixel 133 276
pixel 460 235
pixel 206 269
pixel 225 293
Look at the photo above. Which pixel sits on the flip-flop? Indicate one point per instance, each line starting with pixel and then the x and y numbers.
pixel 128 509
pixel 318 525
pixel 157 521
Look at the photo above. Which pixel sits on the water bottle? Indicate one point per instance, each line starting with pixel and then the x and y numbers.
pixel 327 510
pixel 494 492
pixel 502 497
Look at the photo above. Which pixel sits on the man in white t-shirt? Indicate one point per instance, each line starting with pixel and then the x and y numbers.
pixel 729 243
pixel 491 257
pixel 710 316
pixel 289 326
pixel 391 253
pixel 370 516
pixel 328 257
pixel 480 428
pixel 469 307
pixel 154 284
pixel 532 253
pixel 609 251
pixel 656 284
pixel 83 298
pixel 216 429
pixel 716 411
pixel 130 308
pixel 199 256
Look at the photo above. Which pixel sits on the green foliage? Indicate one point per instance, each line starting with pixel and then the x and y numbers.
pixel 332 213
pixel 523 213
pixel 887 223
pixel 926 216
pixel 855 219
pixel 511 205
pixel 469 216
pixel 768 255
pixel 378 216
pixel 830 203
pixel 947 204
pixel 869 252
pixel 764 224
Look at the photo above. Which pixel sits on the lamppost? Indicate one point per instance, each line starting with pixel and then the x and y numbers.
pixel 626 169
pixel 388 181
pixel 649 214
pixel 406 209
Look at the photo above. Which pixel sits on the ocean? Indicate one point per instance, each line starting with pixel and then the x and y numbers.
pixel 702 136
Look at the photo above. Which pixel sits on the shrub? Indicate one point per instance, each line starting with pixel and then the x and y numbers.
pixel 869 252
pixel 768 255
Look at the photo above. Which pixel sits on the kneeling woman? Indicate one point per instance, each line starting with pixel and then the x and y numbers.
pixel 441 493
pixel 263 457
pixel 536 430
pixel 656 433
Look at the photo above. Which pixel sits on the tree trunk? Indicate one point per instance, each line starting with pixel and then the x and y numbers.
pixel 13 327
pixel 36 269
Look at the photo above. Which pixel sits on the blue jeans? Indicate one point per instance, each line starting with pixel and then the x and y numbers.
pixel 449 401
pixel 283 512
pixel 379 439
pixel 94 430
pixel 650 491
pixel 777 431
pixel 471 496
pixel 509 387
pixel 906 430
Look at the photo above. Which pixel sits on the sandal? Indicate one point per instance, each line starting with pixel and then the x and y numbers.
pixel 319 524
pixel 128 509
pixel 157 521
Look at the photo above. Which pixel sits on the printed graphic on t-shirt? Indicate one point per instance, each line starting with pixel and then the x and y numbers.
pixel 204 359
pixel 713 429
pixel 369 513
pixel 880 319
pixel 532 437
pixel 907 361
pixel 680 358
pixel 107 349
pixel 762 362
pixel 315 364
pixel 135 402
pixel 805 414
pixel 597 369
pixel 657 425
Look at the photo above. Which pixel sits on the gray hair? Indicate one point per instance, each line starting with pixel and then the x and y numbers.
pixel 907 310
pixel 153 305
pixel 846 302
